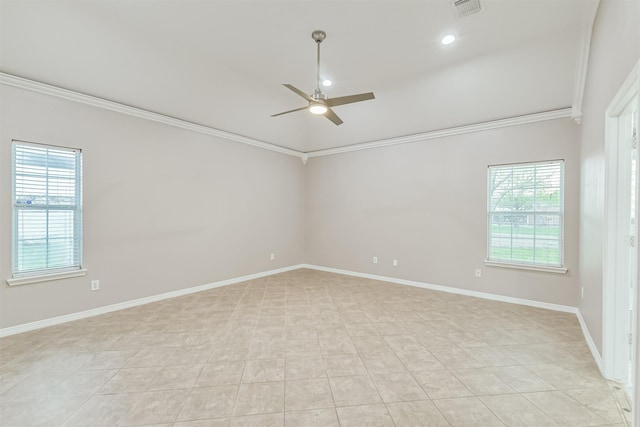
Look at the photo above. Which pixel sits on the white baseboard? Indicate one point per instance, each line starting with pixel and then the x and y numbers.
pixel 154 298
pixel 556 307
pixel 4 332
pixel 592 346
pixel 459 291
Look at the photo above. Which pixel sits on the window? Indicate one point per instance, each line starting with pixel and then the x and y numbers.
pixel 47 210
pixel 526 214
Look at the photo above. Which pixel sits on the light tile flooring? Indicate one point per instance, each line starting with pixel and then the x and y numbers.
pixel 308 348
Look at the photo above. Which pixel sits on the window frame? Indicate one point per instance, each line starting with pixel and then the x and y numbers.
pixel 51 273
pixel 561 268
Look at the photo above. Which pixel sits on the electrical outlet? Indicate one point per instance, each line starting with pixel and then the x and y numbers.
pixel 395 262
pixel 582 292
pixel 375 259
pixel 273 257
pixel 478 272
pixel 95 285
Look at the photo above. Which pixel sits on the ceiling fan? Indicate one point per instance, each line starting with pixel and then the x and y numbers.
pixel 319 103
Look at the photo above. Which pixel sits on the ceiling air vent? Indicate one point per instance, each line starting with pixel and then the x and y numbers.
pixel 464 8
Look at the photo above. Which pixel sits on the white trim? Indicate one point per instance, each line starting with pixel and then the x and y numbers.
pixel 556 270
pixel 582 63
pixel 478 127
pixel 629 89
pixel 451 290
pixel 494 297
pixel 12 330
pixel 146 300
pixel 610 245
pixel 592 346
pixel 25 280
pixel 22 83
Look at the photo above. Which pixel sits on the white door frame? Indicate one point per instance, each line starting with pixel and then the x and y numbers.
pixel 611 300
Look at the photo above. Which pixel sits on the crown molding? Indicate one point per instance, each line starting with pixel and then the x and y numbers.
pixel 582 63
pixel 31 85
pixel 629 90
pixel 22 83
pixel 495 124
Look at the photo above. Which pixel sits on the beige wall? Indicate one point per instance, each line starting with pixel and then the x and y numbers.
pixel 425 204
pixel 164 208
pixel 615 48
pixel 167 209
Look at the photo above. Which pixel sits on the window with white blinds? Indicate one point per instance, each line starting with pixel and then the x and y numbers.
pixel 526 213
pixel 47 209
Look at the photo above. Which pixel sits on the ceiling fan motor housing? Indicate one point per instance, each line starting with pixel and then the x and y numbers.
pixel 319 96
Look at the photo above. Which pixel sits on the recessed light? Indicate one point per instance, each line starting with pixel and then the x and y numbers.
pixel 448 39
pixel 326 82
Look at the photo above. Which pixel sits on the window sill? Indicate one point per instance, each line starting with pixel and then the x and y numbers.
pixel 557 270
pixel 46 277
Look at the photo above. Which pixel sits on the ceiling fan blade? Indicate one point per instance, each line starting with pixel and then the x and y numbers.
pixel 333 117
pixel 290 111
pixel 341 100
pixel 299 92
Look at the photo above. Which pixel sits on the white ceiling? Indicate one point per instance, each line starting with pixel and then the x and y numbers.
pixel 222 63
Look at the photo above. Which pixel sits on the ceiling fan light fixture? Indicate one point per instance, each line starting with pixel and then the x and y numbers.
pixel 317 108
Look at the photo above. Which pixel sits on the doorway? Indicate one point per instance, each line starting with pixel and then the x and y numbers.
pixel 621 239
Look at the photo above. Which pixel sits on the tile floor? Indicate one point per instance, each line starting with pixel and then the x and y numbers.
pixel 308 348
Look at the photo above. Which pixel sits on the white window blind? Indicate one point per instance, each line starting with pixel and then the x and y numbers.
pixel 526 213
pixel 47 209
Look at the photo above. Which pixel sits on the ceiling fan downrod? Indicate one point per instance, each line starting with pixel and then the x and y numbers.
pixel 318 36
